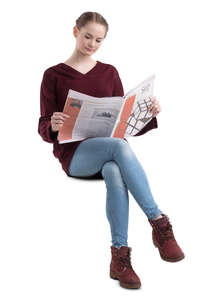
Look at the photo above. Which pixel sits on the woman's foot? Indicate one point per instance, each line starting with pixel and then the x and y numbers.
pixel 121 269
pixel 163 238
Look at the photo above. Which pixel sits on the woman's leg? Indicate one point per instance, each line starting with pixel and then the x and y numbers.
pixel 117 204
pixel 93 153
pixel 92 158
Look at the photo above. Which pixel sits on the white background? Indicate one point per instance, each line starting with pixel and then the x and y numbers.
pixel 54 236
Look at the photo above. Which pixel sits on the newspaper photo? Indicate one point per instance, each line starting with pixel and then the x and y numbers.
pixel 106 117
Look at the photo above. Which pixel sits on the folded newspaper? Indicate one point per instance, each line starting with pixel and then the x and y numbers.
pixel 106 117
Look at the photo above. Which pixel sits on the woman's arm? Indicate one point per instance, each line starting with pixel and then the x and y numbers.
pixel 48 105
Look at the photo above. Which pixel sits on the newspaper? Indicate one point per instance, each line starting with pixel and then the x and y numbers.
pixel 106 117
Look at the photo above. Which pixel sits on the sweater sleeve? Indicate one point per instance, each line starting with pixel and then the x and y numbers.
pixel 48 105
pixel 150 125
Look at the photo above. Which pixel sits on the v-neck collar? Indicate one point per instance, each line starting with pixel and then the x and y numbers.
pixel 69 68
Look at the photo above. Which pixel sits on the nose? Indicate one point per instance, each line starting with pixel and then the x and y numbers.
pixel 92 45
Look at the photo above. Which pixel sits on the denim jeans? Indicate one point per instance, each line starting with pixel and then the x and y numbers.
pixel 121 172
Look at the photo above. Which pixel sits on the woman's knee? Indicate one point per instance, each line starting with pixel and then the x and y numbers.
pixel 111 170
pixel 112 175
pixel 121 146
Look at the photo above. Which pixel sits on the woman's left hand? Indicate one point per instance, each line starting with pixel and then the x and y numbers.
pixel 154 107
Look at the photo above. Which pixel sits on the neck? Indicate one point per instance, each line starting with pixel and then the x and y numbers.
pixel 78 57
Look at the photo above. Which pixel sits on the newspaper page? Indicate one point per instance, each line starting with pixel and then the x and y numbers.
pixel 89 116
pixel 107 117
pixel 135 113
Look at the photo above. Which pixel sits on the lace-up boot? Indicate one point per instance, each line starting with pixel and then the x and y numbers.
pixel 121 268
pixel 163 238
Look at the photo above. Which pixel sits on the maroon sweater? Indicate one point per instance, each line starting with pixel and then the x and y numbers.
pixel 102 80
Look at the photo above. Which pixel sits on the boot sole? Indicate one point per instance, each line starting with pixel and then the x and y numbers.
pixel 166 258
pixel 125 285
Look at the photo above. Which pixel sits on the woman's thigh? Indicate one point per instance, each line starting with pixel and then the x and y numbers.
pixel 91 155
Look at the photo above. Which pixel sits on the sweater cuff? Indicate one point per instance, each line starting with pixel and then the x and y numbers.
pixel 51 134
pixel 151 125
pixel 45 130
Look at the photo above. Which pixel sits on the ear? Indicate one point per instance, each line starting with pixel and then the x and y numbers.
pixel 75 31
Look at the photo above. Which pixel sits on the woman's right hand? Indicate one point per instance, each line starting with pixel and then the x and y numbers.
pixel 57 120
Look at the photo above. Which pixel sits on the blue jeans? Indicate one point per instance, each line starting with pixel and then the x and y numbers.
pixel 121 171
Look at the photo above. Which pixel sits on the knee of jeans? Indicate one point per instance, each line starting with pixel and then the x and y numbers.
pixel 111 170
pixel 112 175
pixel 122 146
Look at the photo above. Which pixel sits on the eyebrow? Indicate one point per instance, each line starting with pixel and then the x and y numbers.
pixel 91 35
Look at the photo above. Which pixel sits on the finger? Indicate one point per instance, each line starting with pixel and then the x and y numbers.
pixel 65 115
pixel 152 110
pixel 59 122
pixel 59 117
pixel 151 107
pixel 156 112
pixel 60 114
pixel 155 102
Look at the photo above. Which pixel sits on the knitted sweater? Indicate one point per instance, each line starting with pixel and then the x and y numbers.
pixel 102 80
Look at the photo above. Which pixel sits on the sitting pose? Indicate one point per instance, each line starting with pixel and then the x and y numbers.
pixel 111 159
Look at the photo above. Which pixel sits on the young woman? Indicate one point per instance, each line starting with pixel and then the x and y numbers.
pixel 111 159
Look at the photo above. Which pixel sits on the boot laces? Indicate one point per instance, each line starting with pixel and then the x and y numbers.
pixel 166 230
pixel 126 260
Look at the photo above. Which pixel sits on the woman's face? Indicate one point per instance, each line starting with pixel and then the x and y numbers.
pixel 90 37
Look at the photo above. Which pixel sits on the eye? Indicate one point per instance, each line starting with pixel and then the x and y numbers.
pixel 87 37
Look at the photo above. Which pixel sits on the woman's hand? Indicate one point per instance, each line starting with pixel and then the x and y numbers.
pixel 57 120
pixel 154 107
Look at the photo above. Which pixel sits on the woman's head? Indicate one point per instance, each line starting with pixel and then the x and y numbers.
pixel 90 31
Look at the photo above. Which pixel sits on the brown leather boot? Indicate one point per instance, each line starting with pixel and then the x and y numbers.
pixel 163 238
pixel 121 269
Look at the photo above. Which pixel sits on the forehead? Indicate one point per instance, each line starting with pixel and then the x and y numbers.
pixel 94 29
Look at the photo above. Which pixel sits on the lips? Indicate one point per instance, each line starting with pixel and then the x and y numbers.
pixel 89 49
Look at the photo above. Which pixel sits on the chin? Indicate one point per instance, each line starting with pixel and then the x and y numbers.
pixel 87 54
